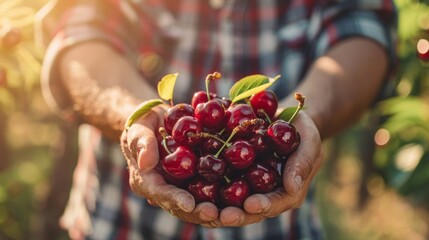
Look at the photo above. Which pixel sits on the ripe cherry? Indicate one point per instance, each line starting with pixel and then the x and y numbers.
pixel 264 104
pixel 201 97
pixel 284 136
pixel 240 154
pixel 211 168
pixel 237 114
pixel 210 114
pixel 185 131
pixel 262 179
pixel 170 146
pixel 204 191
pixel 175 113
pixel 259 140
pixel 235 193
pixel 210 145
pixel 181 164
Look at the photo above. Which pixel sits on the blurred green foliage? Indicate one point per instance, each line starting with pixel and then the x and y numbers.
pixel 403 157
pixel 29 132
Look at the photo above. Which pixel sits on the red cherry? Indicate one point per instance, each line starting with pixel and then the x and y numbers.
pixel 264 101
pixel 273 161
pixel 201 97
pixel 235 193
pixel 210 145
pixel 226 102
pixel 211 168
pixel 181 164
pixel 210 114
pixel 262 179
pixel 204 191
pixel 180 183
pixel 186 130
pixel 175 113
pixel 240 154
pixel 284 136
pixel 237 114
pixel 171 145
pixel 259 140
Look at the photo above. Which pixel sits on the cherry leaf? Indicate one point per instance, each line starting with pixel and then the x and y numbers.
pixel 166 86
pixel 250 85
pixel 140 110
pixel 287 113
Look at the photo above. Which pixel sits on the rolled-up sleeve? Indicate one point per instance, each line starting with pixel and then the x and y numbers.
pixel 61 24
pixel 375 20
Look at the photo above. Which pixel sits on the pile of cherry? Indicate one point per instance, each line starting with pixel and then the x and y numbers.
pixel 222 152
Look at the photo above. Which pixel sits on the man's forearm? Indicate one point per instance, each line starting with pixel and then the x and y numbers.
pixel 341 85
pixel 103 86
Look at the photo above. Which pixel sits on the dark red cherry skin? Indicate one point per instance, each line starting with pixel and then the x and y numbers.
pixel 201 97
pixel 204 191
pixel 210 114
pixel 259 141
pixel 234 193
pixel 180 183
pixel 237 114
pixel 284 136
pixel 226 102
pixel 175 113
pixel 210 145
pixel 211 168
pixel 181 164
pixel 240 154
pixel 184 131
pixel 262 178
pixel 273 161
pixel 266 101
pixel 170 144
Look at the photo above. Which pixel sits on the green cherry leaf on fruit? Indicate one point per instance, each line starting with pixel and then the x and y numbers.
pixel 166 86
pixel 140 110
pixel 250 85
pixel 287 113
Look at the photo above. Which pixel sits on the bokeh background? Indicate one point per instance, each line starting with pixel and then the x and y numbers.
pixel 374 184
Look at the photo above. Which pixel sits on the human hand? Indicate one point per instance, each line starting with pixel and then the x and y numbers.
pixel 300 169
pixel 139 145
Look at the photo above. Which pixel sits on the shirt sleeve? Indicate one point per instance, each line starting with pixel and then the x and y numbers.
pixel 375 20
pixel 64 23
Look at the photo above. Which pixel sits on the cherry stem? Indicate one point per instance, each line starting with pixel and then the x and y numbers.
pixel 212 76
pixel 171 102
pixel 301 100
pixel 266 115
pixel 227 179
pixel 207 135
pixel 242 126
pixel 225 143
pixel 163 134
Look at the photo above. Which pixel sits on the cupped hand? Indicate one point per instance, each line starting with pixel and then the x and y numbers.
pixel 139 145
pixel 300 169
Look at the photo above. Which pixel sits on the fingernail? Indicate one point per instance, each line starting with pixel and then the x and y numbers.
pixel 239 220
pixel 265 204
pixel 298 182
pixel 185 203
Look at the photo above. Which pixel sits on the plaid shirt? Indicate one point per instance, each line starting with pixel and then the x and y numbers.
pixel 193 38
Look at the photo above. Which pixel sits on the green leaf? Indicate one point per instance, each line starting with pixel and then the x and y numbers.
pixel 287 113
pixel 250 85
pixel 142 109
pixel 166 86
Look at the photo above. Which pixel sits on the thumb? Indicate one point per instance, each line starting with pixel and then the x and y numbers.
pixel 303 164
